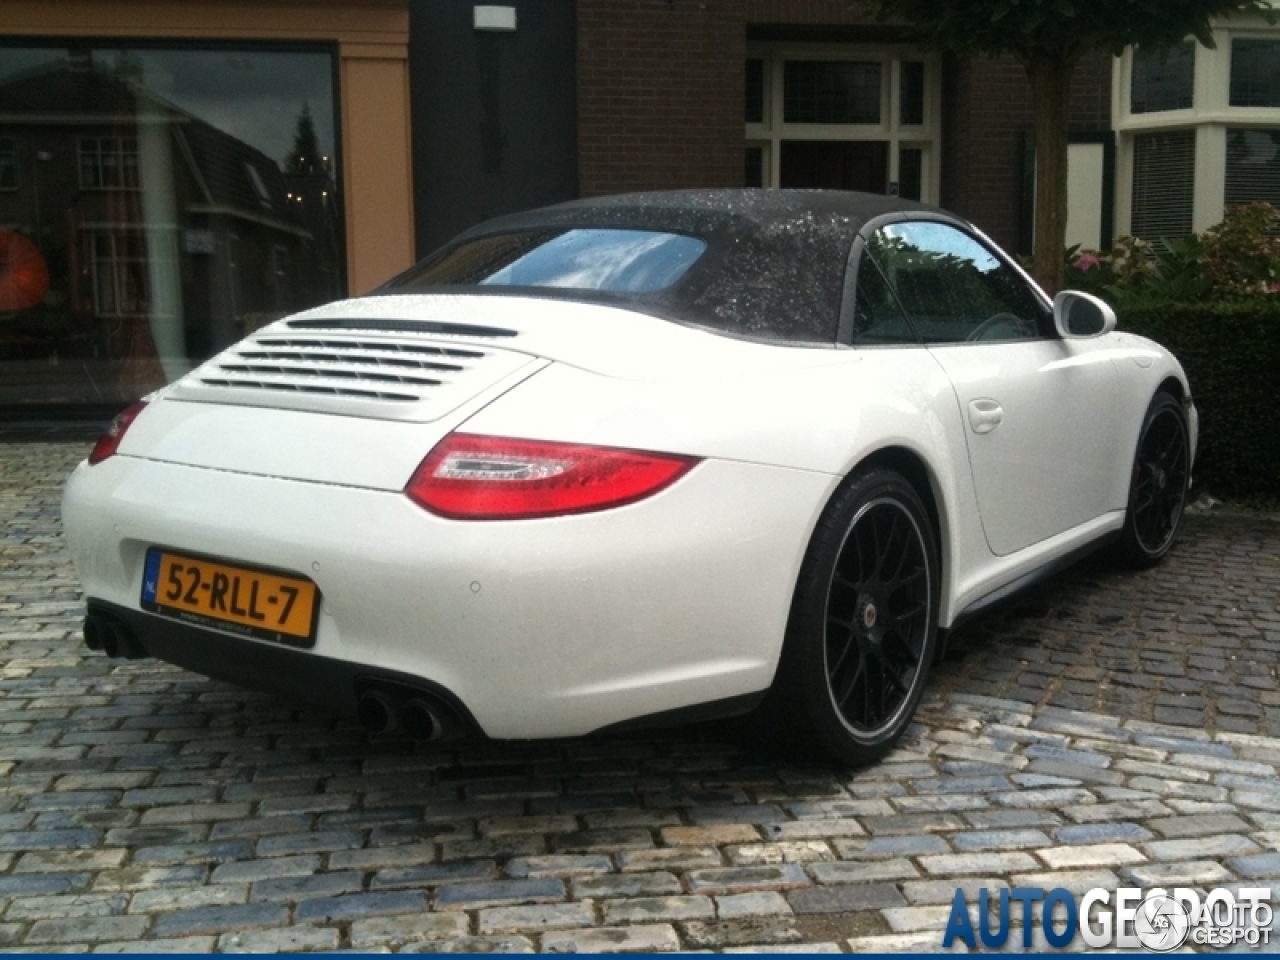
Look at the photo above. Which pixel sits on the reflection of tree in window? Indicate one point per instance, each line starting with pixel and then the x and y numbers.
pixel 949 283
pixel 877 318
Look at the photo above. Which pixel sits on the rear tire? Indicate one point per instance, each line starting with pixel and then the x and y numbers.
pixel 1158 485
pixel 864 621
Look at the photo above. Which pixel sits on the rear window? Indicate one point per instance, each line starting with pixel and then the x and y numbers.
pixel 605 260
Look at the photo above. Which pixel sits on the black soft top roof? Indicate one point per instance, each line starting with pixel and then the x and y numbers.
pixel 774 265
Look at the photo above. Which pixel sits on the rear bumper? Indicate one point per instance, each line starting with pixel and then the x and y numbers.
pixel 322 681
pixel 541 628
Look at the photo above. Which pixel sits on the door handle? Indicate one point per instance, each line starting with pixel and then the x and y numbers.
pixel 984 415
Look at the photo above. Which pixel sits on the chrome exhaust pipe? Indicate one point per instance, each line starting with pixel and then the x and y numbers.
pixel 420 721
pixel 377 713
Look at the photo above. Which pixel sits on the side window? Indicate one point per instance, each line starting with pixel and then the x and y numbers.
pixel 953 288
pixel 877 318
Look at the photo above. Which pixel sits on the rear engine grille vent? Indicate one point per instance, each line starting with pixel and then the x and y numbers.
pixel 395 377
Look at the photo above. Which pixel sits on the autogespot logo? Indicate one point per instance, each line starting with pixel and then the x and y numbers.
pixel 1157 920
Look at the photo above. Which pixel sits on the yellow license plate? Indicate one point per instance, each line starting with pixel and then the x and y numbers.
pixel 271 606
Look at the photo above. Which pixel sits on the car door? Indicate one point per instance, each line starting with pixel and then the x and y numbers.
pixel 1037 409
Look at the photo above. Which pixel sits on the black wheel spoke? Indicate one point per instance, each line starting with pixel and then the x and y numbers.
pixel 878 617
pixel 1160 481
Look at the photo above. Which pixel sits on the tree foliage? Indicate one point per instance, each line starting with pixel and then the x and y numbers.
pixel 1065 28
pixel 1049 37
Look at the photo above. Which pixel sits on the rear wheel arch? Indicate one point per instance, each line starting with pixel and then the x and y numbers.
pixel 916 470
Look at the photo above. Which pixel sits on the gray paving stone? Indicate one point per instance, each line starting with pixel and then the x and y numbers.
pixel 379 931
pixel 536 917
pixel 782 876
pixel 174 945
pixel 1199 873
pixel 293 889
pixel 959 864
pixel 654 909
pixel 470 896
pixel 293 939
pixel 651 938
pixel 216 919
pixel 864 871
pixel 557 865
pixel 845 898
pixel 86 930
pixel 998 840
pixel 1262 866
pixel 1222 845
pixel 514 944
pixel 251 871
pixel 356 905
pixel 184 898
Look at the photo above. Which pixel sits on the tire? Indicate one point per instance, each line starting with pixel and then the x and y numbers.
pixel 1159 481
pixel 864 622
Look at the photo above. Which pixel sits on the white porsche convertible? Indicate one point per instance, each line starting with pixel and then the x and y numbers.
pixel 633 460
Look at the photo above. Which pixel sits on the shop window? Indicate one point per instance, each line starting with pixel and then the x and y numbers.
pixel 1163 184
pixel 1163 80
pixel 8 163
pixel 177 198
pixel 1255 72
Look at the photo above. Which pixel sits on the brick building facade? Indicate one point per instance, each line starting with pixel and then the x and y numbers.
pixel 660 99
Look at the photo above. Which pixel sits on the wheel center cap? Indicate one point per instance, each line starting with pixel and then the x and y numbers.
pixel 1161 478
pixel 869 614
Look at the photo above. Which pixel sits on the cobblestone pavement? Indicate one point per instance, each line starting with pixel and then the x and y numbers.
pixel 1114 727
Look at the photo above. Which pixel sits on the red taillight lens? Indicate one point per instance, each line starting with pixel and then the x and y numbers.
pixel 109 442
pixel 469 477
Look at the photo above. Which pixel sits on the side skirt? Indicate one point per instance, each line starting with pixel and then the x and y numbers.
pixel 1025 582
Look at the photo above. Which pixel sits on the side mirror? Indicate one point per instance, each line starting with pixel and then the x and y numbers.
pixel 1081 315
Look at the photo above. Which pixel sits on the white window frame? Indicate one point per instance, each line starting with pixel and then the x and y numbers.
pixel 927 136
pixel 1210 116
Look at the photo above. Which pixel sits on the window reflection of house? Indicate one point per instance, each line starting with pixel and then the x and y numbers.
pixel 166 237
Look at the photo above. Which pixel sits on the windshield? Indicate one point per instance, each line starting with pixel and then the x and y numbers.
pixel 607 260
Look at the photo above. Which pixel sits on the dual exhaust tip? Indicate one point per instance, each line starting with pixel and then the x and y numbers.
pixel 383 711
pixel 113 637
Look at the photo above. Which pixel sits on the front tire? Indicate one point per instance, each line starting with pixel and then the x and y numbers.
pixel 864 620
pixel 1158 488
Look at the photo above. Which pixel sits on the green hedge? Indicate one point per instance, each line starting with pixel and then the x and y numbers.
pixel 1231 353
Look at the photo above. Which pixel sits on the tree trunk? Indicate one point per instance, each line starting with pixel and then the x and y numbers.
pixel 1050 78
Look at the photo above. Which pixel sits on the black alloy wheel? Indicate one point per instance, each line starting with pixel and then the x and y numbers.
pixel 863 624
pixel 1158 488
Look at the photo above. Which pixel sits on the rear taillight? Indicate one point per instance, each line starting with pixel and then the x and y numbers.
pixel 469 477
pixel 109 442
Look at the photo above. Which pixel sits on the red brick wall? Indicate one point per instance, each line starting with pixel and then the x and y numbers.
pixel 660 101
pixel 660 94
pixel 987 114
